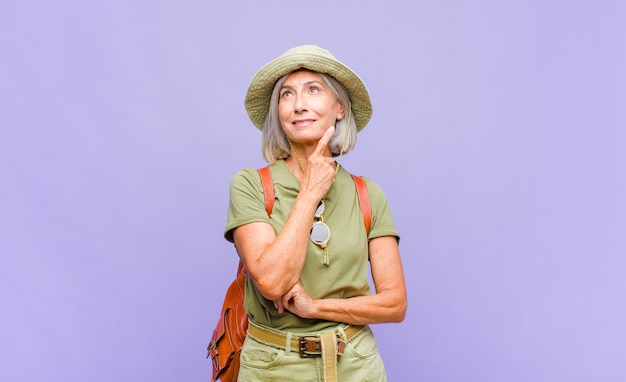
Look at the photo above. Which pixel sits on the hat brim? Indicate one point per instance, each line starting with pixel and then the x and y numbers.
pixel 260 90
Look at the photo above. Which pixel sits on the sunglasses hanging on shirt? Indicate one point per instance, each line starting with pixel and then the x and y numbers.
pixel 320 233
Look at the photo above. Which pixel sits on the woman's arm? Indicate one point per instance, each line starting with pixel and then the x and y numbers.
pixel 388 304
pixel 274 262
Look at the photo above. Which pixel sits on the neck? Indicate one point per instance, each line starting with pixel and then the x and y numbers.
pixel 304 151
pixel 296 167
pixel 299 157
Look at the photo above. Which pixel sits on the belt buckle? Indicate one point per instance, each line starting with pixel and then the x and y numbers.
pixel 311 346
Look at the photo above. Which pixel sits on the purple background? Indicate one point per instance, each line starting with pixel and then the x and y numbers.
pixel 499 136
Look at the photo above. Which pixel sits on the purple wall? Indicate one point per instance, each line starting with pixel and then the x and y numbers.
pixel 499 135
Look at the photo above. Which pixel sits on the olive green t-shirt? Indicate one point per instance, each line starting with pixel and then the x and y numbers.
pixel 346 275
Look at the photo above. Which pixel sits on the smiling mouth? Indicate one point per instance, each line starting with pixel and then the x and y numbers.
pixel 303 122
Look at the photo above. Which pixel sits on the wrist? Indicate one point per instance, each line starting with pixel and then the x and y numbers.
pixel 313 311
pixel 308 201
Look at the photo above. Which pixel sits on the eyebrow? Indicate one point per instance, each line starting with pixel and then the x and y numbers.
pixel 305 84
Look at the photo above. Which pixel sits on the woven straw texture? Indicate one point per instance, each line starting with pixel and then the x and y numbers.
pixel 308 57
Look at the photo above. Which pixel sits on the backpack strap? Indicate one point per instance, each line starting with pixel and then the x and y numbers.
pixel 364 201
pixel 268 189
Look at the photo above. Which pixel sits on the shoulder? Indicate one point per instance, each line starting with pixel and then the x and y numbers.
pixel 374 190
pixel 246 178
pixel 245 174
pixel 382 218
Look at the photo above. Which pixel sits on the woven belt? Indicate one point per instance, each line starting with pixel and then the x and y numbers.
pixel 326 344
pixel 307 345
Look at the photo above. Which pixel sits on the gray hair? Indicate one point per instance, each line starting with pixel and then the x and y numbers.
pixel 274 143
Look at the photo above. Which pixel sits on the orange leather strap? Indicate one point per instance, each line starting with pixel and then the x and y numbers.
pixel 364 201
pixel 268 189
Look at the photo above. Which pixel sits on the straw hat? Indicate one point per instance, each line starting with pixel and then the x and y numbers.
pixel 308 57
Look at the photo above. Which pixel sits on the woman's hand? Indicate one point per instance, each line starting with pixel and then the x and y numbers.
pixel 297 301
pixel 320 172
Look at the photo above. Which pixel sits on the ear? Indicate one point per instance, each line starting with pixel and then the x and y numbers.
pixel 341 112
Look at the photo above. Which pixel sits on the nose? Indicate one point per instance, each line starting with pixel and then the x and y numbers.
pixel 299 104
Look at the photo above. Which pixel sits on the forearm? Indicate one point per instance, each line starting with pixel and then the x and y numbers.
pixel 279 266
pixel 388 304
pixel 362 310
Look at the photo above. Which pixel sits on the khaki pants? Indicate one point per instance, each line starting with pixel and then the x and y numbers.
pixel 360 362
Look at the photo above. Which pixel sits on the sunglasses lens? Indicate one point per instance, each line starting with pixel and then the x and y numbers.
pixel 320 209
pixel 320 233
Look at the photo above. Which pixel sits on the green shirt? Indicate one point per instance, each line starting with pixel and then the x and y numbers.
pixel 346 275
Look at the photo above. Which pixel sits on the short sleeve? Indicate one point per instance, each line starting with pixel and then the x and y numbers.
pixel 247 203
pixel 382 219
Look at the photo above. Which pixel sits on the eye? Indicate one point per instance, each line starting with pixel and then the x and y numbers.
pixel 314 89
pixel 286 93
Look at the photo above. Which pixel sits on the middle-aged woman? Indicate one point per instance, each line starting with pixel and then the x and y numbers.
pixel 302 291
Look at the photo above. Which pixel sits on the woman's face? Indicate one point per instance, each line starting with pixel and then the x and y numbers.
pixel 307 107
